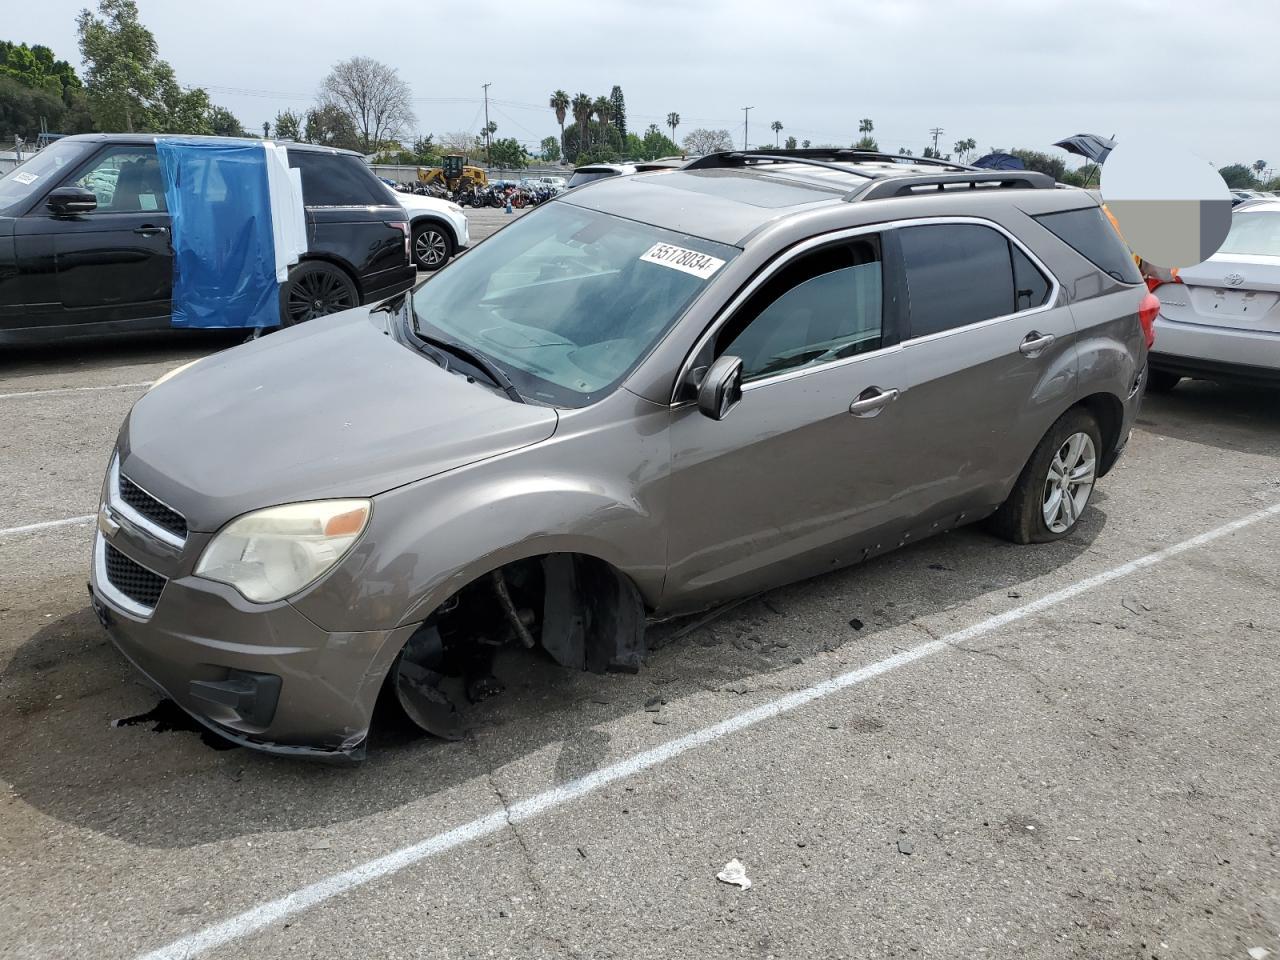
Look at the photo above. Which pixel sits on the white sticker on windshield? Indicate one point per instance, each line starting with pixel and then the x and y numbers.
pixel 25 178
pixel 678 258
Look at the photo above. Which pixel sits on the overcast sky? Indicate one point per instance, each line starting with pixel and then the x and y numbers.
pixel 1007 74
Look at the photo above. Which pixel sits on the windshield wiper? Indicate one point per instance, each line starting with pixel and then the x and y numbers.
pixel 465 354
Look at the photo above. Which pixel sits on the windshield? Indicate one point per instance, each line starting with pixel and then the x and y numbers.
pixel 567 301
pixel 586 176
pixel 34 176
pixel 1256 233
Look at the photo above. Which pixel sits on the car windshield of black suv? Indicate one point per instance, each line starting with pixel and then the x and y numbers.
pixel 26 180
pixel 567 301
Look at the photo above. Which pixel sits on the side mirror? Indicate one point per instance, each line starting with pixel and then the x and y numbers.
pixel 68 200
pixel 721 388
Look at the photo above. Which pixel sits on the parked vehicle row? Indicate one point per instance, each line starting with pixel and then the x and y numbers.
pixel 647 397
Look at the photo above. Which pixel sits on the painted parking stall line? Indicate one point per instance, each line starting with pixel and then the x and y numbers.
pixel 47 525
pixel 271 912
pixel 53 391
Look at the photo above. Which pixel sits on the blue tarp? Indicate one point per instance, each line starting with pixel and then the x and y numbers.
pixel 224 261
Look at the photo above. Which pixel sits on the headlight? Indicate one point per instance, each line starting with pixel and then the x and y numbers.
pixel 172 373
pixel 273 553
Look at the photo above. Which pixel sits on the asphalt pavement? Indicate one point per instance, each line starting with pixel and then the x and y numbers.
pixel 962 749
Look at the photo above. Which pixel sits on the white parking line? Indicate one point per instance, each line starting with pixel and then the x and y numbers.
pixel 54 390
pixel 47 525
pixel 273 911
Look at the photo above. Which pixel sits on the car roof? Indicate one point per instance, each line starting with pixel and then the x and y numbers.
pixel 602 167
pixel 153 137
pixel 728 197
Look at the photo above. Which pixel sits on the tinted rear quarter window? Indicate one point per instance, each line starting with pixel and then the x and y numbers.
pixel 957 274
pixel 337 180
pixel 1090 234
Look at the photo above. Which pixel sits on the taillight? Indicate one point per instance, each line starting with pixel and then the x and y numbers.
pixel 1158 277
pixel 1148 310
pixel 403 228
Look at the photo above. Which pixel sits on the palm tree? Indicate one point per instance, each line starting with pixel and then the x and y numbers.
pixel 965 147
pixel 560 104
pixel 865 126
pixel 602 107
pixel 582 116
pixel 776 127
pixel 673 121
pixel 1258 167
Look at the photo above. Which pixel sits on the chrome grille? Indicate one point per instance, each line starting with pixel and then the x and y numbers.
pixel 151 508
pixel 133 580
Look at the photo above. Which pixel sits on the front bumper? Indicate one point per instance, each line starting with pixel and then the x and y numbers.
pixel 261 675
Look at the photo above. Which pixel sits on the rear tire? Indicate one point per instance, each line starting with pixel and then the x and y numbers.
pixel 1162 381
pixel 1055 486
pixel 315 289
pixel 432 246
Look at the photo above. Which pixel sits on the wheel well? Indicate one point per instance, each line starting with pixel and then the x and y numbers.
pixel 340 264
pixel 437 221
pixel 1108 411
pixel 582 610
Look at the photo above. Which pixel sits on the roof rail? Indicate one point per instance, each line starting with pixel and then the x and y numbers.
pixel 815 156
pixel 911 185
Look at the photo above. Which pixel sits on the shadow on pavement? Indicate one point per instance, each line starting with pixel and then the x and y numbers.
pixel 121 350
pixel 1229 417
pixel 156 785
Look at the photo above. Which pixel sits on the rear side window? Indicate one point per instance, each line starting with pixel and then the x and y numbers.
pixel 1090 234
pixel 824 306
pixel 957 274
pixel 1030 286
pixel 337 180
pixel 1256 234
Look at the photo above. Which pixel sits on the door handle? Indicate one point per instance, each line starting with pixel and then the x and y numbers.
pixel 872 400
pixel 1035 343
pixel 148 229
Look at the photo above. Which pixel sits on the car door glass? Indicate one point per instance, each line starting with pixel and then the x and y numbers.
pixel 957 274
pixel 125 179
pixel 337 180
pixel 823 306
pixel 1030 286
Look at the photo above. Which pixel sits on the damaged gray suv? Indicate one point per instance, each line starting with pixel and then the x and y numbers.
pixel 649 396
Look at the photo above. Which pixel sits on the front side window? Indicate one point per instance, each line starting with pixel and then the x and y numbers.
pixel 125 179
pixel 823 306
pixel 957 274
pixel 567 301
pixel 338 180
pixel 39 172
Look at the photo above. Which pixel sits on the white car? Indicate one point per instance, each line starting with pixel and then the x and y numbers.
pixel 438 229
pixel 1220 320
pixel 599 171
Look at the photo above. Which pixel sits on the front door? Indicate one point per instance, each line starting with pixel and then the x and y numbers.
pixel 800 475
pixel 113 265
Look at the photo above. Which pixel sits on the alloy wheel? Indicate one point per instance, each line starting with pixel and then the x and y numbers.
pixel 318 293
pixel 1072 473
pixel 430 248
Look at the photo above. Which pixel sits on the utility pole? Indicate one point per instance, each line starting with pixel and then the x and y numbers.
pixel 937 132
pixel 745 113
pixel 487 159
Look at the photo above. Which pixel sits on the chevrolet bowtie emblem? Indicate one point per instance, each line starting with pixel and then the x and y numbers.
pixel 106 522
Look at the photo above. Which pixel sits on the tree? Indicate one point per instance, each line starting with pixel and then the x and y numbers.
pixel 458 142
pixel 605 144
pixel 34 87
pixel 619 107
pixel 867 143
pixel 559 102
pixel 129 86
pixel 508 154
pixel 904 152
pixel 21 108
pixel 266 129
pixel 223 123
pixel 865 126
pixel 673 121
pixel 703 141
pixel 551 148
pixel 805 144
pixel 582 107
pixel 602 107
pixel 1258 167
pixel 963 148
pixel 288 125
pixel 330 125
pixel 651 146
pixel 1041 162
pixel 790 143
pixel 373 97
pixel 776 127
pixel 1239 177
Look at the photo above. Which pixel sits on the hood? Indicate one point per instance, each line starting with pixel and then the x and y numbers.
pixel 419 203
pixel 334 408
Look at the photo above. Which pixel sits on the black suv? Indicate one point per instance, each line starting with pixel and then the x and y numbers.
pixel 84 240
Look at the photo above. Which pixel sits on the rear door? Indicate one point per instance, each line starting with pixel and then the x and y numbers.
pixel 113 265
pixel 989 352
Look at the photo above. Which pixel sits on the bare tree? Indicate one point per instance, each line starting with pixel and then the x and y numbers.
pixel 702 141
pixel 373 96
